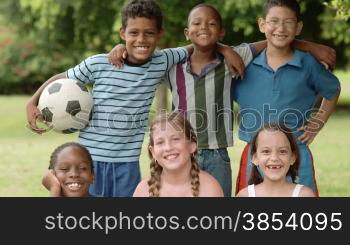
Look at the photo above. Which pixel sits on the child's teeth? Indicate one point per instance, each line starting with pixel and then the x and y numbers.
pixel 74 186
pixel 170 157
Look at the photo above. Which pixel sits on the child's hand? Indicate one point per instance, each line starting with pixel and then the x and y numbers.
pixel 117 55
pixel 325 54
pixel 33 114
pixel 233 60
pixel 55 192
pixel 52 184
pixel 310 129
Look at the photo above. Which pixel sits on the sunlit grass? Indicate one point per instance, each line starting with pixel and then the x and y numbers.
pixel 24 156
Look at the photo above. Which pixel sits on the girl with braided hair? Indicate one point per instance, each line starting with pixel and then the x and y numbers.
pixel 174 169
pixel 70 171
pixel 276 160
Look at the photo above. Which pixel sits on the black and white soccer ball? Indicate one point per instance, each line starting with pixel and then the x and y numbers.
pixel 66 105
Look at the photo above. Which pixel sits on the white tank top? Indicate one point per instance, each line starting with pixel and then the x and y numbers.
pixel 296 191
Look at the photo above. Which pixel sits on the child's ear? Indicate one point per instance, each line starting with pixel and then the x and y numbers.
pixel 53 171
pixel 92 177
pixel 122 33
pixel 261 24
pixel 186 34
pixel 293 159
pixel 222 34
pixel 193 147
pixel 254 160
pixel 151 150
pixel 299 28
pixel 160 34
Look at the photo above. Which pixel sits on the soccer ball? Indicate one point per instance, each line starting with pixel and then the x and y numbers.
pixel 66 105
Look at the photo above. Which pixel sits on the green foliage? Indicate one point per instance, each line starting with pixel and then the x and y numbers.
pixel 335 26
pixel 342 7
pixel 338 27
pixel 49 36
pixel 52 35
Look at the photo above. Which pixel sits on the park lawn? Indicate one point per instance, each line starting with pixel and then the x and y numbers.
pixel 25 155
pixel 344 78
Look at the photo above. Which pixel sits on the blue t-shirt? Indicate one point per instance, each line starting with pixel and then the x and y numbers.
pixel 122 101
pixel 287 95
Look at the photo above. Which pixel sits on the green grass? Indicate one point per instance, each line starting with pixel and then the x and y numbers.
pixel 25 155
pixel 344 78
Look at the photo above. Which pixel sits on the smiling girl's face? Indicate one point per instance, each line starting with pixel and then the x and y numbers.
pixel 273 155
pixel 171 148
pixel 74 172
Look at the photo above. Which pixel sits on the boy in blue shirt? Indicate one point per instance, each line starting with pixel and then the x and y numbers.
pixel 283 84
pixel 122 100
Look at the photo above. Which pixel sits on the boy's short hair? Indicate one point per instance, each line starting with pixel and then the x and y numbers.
pixel 291 4
pixel 142 8
pixel 205 5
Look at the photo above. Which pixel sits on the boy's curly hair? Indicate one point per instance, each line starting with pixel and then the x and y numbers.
pixel 142 8
pixel 179 123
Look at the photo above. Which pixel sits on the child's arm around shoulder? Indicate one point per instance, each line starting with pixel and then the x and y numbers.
pixel 142 189
pixel 306 192
pixel 243 193
pixel 323 53
pixel 209 186
pixel 119 53
pixel 233 59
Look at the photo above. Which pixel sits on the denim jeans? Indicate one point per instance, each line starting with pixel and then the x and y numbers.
pixel 216 162
pixel 115 179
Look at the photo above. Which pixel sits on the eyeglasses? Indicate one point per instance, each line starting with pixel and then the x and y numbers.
pixel 275 23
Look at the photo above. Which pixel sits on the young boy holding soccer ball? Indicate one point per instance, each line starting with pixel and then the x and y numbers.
pixel 122 99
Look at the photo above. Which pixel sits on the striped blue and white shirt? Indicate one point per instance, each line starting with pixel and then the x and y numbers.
pixel 122 101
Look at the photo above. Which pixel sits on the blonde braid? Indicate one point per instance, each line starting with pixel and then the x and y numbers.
pixel 154 181
pixel 195 183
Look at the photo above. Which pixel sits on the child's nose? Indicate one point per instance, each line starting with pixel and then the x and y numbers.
pixel 281 26
pixel 274 156
pixel 73 173
pixel 168 145
pixel 204 26
pixel 141 37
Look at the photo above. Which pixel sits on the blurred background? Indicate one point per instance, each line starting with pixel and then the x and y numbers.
pixel 39 38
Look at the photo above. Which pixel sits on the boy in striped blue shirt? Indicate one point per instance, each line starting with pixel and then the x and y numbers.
pixel 122 100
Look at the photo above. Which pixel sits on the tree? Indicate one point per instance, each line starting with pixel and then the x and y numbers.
pixel 52 35
pixel 342 8
pixel 335 25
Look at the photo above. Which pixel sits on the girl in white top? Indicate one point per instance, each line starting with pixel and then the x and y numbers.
pixel 174 169
pixel 275 156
